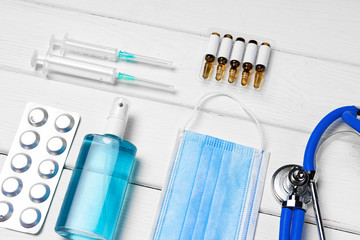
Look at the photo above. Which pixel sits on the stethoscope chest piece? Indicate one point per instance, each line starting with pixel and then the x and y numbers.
pixel 295 186
pixel 291 187
pixel 288 180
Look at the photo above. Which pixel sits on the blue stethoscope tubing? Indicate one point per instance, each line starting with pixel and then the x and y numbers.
pixel 292 219
pixel 348 114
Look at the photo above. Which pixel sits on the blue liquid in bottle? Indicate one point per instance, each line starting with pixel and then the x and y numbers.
pixel 95 196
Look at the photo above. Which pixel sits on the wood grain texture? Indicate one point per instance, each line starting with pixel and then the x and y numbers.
pixel 268 226
pixel 313 28
pixel 140 213
pixel 298 92
pixel 286 145
pixel 47 231
pixel 136 221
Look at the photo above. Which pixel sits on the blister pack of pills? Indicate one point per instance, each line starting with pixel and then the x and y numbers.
pixel 236 60
pixel 34 164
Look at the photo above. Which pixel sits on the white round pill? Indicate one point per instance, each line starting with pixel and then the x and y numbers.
pixel 48 168
pixel 11 186
pixel 20 162
pixel 29 139
pixel 64 123
pixel 38 117
pixel 6 210
pixel 39 192
pixel 30 217
pixel 56 145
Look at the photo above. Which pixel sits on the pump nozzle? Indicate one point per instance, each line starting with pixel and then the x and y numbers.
pixel 118 116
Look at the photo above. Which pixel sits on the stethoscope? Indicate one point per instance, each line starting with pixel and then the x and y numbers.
pixel 295 186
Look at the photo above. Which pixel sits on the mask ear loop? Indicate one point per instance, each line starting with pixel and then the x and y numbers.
pixel 217 94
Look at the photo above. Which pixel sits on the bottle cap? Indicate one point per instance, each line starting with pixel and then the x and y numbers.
pixel 118 116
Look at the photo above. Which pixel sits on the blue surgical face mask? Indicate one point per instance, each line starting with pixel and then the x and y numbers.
pixel 214 188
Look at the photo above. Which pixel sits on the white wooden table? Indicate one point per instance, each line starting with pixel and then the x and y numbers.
pixel 314 69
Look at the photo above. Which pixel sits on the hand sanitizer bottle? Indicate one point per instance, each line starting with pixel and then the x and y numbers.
pixel 95 196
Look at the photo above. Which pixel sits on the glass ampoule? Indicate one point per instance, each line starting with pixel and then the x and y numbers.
pixel 223 56
pixel 249 61
pixel 235 59
pixel 211 54
pixel 261 64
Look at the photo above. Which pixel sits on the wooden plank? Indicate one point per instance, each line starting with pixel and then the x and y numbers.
pixel 155 138
pixel 140 210
pixel 298 90
pixel 294 102
pixel 136 222
pixel 267 228
pixel 47 231
pixel 313 28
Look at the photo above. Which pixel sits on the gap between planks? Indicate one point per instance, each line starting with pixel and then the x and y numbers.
pixel 74 10
pixel 172 103
pixel 61 191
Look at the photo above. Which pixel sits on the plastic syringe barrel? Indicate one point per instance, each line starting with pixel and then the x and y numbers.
pixel 58 64
pixel 68 45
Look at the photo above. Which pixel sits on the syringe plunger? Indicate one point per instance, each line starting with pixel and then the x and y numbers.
pixel 73 67
pixel 57 64
pixel 68 45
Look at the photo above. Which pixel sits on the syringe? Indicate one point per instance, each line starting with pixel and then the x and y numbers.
pixel 51 63
pixel 68 45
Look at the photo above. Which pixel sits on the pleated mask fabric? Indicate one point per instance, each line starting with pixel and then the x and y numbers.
pixel 213 190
